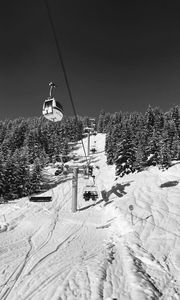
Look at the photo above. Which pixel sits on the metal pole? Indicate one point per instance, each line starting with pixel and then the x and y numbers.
pixel 74 189
pixel 4 218
pixel 131 207
pixel 132 218
pixel 88 150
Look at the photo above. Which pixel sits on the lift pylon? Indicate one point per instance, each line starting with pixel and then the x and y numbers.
pixel 74 189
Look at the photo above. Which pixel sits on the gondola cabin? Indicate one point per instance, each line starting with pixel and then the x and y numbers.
pixel 52 110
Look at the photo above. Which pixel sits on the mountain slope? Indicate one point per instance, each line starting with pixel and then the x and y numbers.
pixel 104 250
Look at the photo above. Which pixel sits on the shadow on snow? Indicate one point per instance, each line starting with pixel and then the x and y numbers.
pixel 169 184
pixel 118 190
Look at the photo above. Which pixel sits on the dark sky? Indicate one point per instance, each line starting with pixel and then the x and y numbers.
pixel 118 56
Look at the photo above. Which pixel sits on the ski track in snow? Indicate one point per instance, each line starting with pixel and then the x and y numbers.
pixel 103 251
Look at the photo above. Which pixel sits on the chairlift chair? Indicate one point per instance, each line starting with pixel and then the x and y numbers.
pixel 85 173
pixel 87 130
pixel 88 171
pixel 93 150
pixel 38 196
pixel 84 135
pixel 90 191
pixel 58 172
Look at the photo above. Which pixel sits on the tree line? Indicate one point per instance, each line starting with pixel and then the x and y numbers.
pixel 135 141
pixel 27 145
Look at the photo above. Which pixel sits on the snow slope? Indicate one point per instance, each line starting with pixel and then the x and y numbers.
pixel 103 251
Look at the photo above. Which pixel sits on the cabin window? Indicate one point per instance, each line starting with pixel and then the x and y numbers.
pixel 48 107
pixel 58 105
pixel 48 104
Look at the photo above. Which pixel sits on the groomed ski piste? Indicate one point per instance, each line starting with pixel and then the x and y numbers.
pixel 104 250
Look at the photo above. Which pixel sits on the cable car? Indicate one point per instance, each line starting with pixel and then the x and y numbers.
pixel 52 109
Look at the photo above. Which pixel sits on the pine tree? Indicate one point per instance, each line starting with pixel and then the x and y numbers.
pixel 36 176
pixel 125 155
pixel 150 118
pixel 140 157
pixel 100 124
pixel 2 175
pixel 106 122
pixel 164 155
pixel 175 146
pixel 10 176
pixel 112 139
pixel 176 116
pixel 21 174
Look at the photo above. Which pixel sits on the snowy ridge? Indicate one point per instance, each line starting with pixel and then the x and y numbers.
pixel 104 250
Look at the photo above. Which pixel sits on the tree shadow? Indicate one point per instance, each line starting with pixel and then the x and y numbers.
pixel 175 163
pixel 88 206
pixel 118 190
pixel 48 184
pixel 169 184
pixel 10 202
pixel 98 152
pixel 108 202
pixel 76 147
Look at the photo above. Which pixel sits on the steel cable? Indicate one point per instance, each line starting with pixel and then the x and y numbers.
pixel 63 67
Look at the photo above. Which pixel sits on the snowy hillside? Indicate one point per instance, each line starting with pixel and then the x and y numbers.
pixel 103 251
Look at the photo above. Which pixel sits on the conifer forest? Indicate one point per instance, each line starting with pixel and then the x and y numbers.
pixel 134 141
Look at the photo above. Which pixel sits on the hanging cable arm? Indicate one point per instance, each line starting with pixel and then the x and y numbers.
pixel 62 65
pixel 60 56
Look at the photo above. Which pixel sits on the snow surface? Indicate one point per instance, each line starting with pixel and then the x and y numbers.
pixel 104 250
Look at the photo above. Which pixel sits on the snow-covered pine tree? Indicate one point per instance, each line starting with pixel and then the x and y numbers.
pixel 106 122
pixel 113 137
pixel 36 176
pixel 149 118
pixel 164 154
pixel 175 114
pixel 10 177
pixel 21 182
pixel 175 146
pixel 140 157
pixel 100 124
pixel 125 155
pixel 2 175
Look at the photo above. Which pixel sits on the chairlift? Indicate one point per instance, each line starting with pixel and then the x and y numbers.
pixel 87 130
pixel 88 171
pixel 52 109
pixel 75 158
pixel 39 197
pixel 93 150
pixel 84 135
pixel 90 191
pixel 58 172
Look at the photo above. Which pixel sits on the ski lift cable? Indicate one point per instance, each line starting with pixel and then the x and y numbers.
pixel 63 66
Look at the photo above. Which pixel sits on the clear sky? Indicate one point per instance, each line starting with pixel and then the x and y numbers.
pixel 118 56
